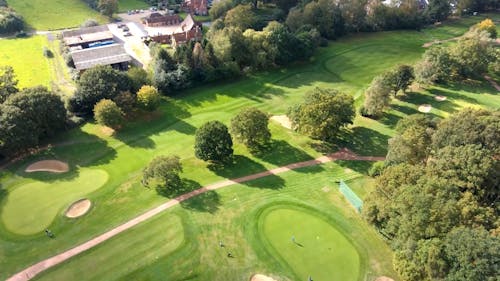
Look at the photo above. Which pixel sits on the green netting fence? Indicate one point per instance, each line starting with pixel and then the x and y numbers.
pixel 350 196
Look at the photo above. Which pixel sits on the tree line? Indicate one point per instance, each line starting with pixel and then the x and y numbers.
pixel 436 200
pixel 471 57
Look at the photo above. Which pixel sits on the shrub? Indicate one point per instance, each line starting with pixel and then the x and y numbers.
pixel 126 101
pixel 148 98
pixel 90 23
pixel 107 113
pixel 47 52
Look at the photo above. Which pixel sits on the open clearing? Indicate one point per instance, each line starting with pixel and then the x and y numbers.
pixel 182 243
pixel 55 14
pixel 26 57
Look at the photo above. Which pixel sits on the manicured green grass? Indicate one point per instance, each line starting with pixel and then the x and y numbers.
pixel 55 14
pixel 30 208
pixel 25 55
pixel 127 5
pixel 232 215
pixel 318 249
pixel 348 64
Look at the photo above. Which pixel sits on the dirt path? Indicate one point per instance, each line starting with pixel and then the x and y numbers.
pixel 32 271
pixel 492 82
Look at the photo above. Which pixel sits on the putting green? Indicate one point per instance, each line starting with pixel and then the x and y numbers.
pixel 319 250
pixel 32 207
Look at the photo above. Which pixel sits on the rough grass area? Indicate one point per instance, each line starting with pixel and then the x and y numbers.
pixel 55 14
pixel 25 55
pixel 348 64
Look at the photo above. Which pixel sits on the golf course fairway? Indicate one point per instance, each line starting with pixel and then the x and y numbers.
pixel 319 250
pixel 32 207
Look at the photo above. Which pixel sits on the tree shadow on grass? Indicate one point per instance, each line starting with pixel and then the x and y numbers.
pixel 207 202
pixel 279 153
pixel 364 141
pixel 359 166
pixel 242 166
pixel 390 119
pixel 239 166
pixel 86 150
pixel 419 99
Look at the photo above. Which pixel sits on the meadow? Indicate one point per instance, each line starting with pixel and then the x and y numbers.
pixel 53 15
pixel 182 243
pixel 30 66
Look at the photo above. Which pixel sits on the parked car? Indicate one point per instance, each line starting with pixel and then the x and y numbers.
pixel 126 29
pixel 127 34
pixel 121 25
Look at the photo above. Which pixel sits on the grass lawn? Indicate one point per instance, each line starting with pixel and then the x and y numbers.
pixel 26 57
pixel 233 215
pixel 45 199
pixel 230 214
pixel 127 5
pixel 318 249
pixel 55 14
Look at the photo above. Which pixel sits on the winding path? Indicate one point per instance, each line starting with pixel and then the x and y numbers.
pixel 32 271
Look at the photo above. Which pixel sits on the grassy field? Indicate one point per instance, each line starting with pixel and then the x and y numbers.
pixel 26 57
pixel 231 214
pixel 127 5
pixel 55 14
pixel 46 198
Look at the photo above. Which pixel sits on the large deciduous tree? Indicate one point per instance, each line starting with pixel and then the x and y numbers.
pixel 164 169
pixel 95 84
pixel 412 142
pixel 322 113
pixel 250 128
pixel 377 97
pixel 8 83
pixel 213 142
pixel 108 7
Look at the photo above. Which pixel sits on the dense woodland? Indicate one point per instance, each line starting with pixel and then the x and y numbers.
pixel 437 199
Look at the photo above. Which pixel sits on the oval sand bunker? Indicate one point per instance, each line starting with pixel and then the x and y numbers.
pixel 78 208
pixel 425 108
pixel 440 98
pixel 283 120
pixel 260 277
pixel 53 166
pixel 384 278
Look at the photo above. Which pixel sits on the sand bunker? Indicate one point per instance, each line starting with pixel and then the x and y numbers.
pixel 384 278
pixel 283 120
pixel 53 166
pixel 440 98
pixel 425 108
pixel 260 277
pixel 78 208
